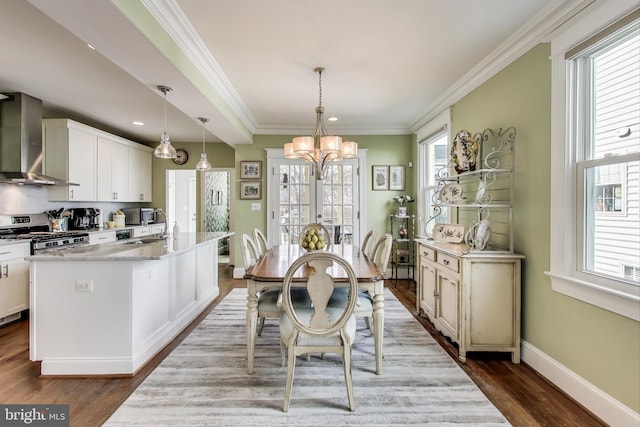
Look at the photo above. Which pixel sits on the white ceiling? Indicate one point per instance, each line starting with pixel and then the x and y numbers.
pixel 248 64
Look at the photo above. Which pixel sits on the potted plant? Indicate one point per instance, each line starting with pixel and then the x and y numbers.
pixel 402 200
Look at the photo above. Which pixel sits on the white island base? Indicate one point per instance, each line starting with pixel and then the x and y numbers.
pixel 108 309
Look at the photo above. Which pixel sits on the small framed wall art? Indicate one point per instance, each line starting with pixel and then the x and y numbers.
pixel 379 177
pixel 250 190
pixel 396 178
pixel 251 169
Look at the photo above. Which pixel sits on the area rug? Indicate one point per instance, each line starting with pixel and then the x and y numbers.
pixel 204 381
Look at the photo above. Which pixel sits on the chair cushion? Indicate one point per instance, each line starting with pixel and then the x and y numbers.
pixel 340 296
pixel 268 300
pixel 304 314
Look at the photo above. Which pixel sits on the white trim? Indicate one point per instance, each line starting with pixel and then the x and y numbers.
pixel 607 408
pixel 563 270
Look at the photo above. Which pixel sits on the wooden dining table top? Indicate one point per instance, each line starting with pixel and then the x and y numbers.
pixel 273 265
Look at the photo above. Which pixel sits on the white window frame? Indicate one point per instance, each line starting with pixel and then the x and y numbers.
pixel 435 125
pixel 566 278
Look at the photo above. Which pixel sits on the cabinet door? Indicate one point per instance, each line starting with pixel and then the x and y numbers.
pixel 14 281
pixel 82 165
pixel 139 175
pixel 427 283
pixel 448 310
pixel 113 170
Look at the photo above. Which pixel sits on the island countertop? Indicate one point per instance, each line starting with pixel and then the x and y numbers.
pixel 138 249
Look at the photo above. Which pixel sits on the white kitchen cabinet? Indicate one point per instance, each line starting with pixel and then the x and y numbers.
pixel 70 150
pixel 472 297
pixel 113 170
pixel 140 162
pixel 14 280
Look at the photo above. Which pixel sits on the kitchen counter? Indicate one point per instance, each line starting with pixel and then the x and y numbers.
pixel 107 309
pixel 133 249
pixel 5 242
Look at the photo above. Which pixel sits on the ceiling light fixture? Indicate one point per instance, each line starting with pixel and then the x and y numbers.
pixel 320 149
pixel 165 150
pixel 203 164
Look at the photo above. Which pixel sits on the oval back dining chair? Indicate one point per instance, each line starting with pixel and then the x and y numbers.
pixel 368 242
pixel 318 328
pixel 261 241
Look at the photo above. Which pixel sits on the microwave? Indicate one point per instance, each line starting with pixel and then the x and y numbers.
pixel 139 216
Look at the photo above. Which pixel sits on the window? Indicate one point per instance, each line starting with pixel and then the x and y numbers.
pixel 432 159
pixel 596 92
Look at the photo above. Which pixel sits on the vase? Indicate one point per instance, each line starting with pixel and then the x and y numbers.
pixel 402 211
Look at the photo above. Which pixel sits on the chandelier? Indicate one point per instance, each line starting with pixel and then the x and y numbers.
pixel 165 150
pixel 320 149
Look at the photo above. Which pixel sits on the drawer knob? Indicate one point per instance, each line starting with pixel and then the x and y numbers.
pixel 445 261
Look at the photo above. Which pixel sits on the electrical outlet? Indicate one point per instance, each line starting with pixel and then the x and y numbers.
pixel 84 285
pixel 256 206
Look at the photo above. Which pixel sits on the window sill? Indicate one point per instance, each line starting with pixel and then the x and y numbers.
pixel 624 304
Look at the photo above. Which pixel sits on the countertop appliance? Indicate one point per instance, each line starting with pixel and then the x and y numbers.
pixel 36 228
pixel 139 216
pixel 85 219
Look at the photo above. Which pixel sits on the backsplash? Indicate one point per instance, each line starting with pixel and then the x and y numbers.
pixel 28 199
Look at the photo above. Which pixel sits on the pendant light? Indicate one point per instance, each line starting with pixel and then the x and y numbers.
pixel 203 164
pixel 165 150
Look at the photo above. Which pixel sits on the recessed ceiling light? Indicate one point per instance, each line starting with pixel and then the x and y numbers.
pixel 333 119
pixel 90 46
pixel 138 123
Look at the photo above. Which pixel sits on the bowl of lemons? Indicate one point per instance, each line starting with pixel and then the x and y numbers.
pixel 313 240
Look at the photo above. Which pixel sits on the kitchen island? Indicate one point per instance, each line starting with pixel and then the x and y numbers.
pixel 108 309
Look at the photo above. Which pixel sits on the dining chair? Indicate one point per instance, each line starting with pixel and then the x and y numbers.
pixel 368 242
pixel 268 304
pixel 261 241
pixel 381 254
pixel 318 328
pixel 317 225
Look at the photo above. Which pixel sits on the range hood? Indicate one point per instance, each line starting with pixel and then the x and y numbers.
pixel 21 141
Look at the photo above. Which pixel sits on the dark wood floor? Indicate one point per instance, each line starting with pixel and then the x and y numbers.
pixel 525 398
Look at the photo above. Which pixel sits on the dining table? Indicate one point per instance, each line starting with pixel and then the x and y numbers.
pixel 269 270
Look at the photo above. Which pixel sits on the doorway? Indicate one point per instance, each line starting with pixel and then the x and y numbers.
pixel 215 209
pixel 181 199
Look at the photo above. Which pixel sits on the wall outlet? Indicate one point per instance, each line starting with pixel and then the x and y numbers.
pixel 256 206
pixel 84 285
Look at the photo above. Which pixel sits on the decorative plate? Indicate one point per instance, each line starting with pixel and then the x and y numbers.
pixel 451 193
pixel 464 152
pixel 451 233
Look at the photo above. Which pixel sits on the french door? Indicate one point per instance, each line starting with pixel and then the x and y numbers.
pixel 296 198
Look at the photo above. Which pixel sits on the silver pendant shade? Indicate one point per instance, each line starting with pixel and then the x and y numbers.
pixel 165 150
pixel 203 164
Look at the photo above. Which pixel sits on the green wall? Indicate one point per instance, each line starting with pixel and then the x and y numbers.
pixel 600 346
pixel 220 156
pixel 381 150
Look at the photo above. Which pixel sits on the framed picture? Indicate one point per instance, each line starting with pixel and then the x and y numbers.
pixel 251 169
pixel 396 178
pixel 250 190
pixel 379 177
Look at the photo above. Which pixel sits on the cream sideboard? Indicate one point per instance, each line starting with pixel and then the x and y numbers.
pixel 472 297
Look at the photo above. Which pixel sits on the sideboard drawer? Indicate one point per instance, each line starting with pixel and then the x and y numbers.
pixel 450 262
pixel 428 253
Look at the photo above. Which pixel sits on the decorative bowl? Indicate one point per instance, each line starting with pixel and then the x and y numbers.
pixel 313 239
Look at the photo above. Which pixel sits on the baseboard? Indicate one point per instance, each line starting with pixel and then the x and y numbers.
pixel 597 401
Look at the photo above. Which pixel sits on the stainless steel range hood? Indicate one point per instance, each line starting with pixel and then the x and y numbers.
pixel 21 141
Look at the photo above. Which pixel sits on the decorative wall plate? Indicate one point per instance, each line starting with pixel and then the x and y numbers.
pixel 451 233
pixel 451 193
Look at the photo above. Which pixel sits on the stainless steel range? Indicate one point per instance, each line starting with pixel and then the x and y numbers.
pixel 36 228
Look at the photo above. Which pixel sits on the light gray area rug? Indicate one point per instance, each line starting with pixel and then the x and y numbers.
pixel 204 381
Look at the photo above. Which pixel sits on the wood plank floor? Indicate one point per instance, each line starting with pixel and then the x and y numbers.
pixel 524 397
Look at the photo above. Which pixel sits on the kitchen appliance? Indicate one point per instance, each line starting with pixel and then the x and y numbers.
pixel 139 216
pixel 35 227
pixel 85 219
pixel 21 141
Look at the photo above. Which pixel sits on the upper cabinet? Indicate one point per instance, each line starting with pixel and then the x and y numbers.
pixel 70 152
pixel 113 170
pixel 106 167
